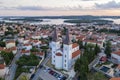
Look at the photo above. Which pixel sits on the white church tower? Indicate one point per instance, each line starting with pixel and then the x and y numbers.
pixel 67 51
pixel 55 45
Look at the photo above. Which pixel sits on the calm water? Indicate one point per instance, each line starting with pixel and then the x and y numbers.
pixel 60 21
pixel 116 21
pixel 53 21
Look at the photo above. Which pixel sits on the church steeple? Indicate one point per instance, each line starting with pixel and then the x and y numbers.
pixel 67 38
pixel 55 35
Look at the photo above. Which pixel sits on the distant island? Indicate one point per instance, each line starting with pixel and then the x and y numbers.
pixel 89 21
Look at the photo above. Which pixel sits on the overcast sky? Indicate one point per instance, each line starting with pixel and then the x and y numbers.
pixel 59 7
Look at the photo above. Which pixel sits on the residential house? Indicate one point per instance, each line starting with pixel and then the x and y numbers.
pixel 27 46
pixel 115 57
pixel 25 52
pixel 10 44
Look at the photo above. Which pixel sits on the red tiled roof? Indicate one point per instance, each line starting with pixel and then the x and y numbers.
pixel 10 41
pixel 118 66
pixel 115 78
pixel 74 45
pixel 80 37
pixel 38 53
pixel 1 48
pixel 58 54
pixel 26 44
pixel 75 54
pixel 2 66
pixel 117 52
pixel 13 48
pixel 25 51
pixel 7 50
pixel 103 59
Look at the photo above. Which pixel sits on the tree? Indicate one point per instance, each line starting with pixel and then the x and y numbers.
pixel 2 79
pixel 81 64
pixel 16 42
pixel 108 49
pixel 8 56
pixel 97 49
pixel 80 44
pixel 34 50
pixel 77 64
pixel 2 44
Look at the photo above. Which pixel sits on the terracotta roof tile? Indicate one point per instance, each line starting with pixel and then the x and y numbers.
pixel 75 54
pixel 117 52
pixel 25 51
pixel 58 54
pixel 115 78
pixel 74 45
pixel 2 66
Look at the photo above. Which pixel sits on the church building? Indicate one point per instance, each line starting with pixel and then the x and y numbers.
pixel 64 58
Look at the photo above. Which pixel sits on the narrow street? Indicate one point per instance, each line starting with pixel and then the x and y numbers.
pixel 13 67
pixel 37 73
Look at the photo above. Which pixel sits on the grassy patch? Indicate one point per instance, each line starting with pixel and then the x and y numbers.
pixel 106 63
pixel 96 76
pixel 21 70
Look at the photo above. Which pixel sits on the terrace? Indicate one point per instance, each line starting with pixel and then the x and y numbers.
pixel 107 68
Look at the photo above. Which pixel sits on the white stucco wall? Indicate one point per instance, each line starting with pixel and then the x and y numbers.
pixel 58 62
pixel 10 45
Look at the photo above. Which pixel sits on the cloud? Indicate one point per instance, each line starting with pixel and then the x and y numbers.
pixel 41 8
pixel 109 5
pixel 31 8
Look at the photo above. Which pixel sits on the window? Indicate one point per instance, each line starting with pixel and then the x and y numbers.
pixel 54 60
pixel 54 56
pixel 65 65
pixel 65 55
pixel 65 60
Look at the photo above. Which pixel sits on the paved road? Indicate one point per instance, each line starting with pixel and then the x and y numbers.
pixel 13 67
pixel 46 76
pixel 37 74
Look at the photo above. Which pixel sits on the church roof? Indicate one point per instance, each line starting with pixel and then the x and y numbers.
pixel 74 45
pixel 67 39
pixel 58 54
pixel 75 54
pixel 55 35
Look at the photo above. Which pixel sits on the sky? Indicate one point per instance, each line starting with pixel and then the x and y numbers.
pixel 59 7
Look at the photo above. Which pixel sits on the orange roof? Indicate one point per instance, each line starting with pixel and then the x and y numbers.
pixel 75 54
pixel 10 41
pixel 117 52
pixel 39 53
pixel 80 37
pixel 115 78
pixel 1 48
pixel 74 45
pixel 58 54
pixel 13 48
pixel 2 66
pixel 26 44
pixel 25 51
pixel 7 50
pixel 118 66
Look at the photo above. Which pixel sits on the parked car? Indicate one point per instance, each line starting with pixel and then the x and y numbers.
pixel 32 76
pixel 40 66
